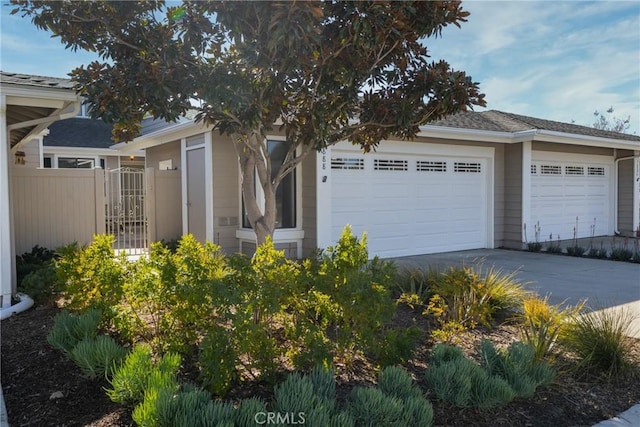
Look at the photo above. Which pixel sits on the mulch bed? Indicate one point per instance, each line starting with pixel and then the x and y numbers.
pixel 32 371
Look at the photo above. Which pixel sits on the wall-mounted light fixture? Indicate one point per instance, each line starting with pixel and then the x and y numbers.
pixel 20 158
pixel 132 157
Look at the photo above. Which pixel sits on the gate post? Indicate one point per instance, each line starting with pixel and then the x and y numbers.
pixel 150 204
pixel 100 202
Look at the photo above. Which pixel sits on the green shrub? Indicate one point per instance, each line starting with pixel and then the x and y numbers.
pixel 576 251
pixel 621 254
pixel 459 381
pixel 396 346
pixel 161 382
pixel 92 277
pixel 358 294
pixel 600 340
pixel 69 329
pixel 40 284
pixel 247 410
pixel 396 401
pixel 98 357
pixel 312 395
pixel 32 261
pixel 599 253
pixel 217 360
pixel 414 285
pixel 542 323
pixel 517 366
pixel 191 407
pixel 465 297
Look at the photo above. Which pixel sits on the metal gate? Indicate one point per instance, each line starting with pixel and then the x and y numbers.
pixel 125 212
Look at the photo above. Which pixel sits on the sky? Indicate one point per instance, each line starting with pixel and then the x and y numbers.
pixel 556 60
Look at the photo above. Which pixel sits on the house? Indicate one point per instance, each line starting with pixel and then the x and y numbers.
pixel 473 180
pixel 28 105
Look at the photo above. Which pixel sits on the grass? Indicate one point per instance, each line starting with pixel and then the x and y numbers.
pixel 600 341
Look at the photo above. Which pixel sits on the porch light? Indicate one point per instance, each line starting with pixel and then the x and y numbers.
pixel 20 158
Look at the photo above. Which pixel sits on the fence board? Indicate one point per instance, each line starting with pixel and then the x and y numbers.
pixel 54 207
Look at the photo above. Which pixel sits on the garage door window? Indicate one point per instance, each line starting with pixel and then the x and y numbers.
pixel 466 167
pixel 428 166
pixel 390 165
pixel 347 163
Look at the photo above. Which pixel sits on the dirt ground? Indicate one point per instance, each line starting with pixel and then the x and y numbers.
pixel 33 373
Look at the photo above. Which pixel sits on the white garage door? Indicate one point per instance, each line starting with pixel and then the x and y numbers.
pixel 410 204
pixel 571 194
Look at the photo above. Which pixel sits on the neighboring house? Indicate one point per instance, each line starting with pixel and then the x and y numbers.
pixel 78 143
pixel 474 180
pixel 28 105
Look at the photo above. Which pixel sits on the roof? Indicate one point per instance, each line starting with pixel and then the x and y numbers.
pixel 79 132
pixel 38 81
pixel 501 121
pixel 33 102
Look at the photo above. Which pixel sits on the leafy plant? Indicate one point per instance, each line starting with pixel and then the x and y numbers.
pixel 397 345
pixel 600 341
pixel 554 247
pixel 459 381
pixel 217 360
pixel 98 357
pixel 534 246
pixel 395 402
pixel 414 285
pixel 576 251
pixel 621 254
pixel 40 284
pixel 69 329
pixel 32 261
pixel 599 253
pixel 541 323
pixel 92 277
pixel 467 297
pixel 517 366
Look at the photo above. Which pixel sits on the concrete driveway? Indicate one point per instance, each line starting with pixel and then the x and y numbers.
pixel 606 284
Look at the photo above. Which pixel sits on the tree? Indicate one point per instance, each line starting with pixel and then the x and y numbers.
pixel 321 72
pixel 610 122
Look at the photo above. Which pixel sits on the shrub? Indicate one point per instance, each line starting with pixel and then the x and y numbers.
pixel 457 380
pixel 161 381
pixel 517 366
pixel 69 329
pixel 576 251
pixel 217 360
pixel 534 246
pixel 395 402
pixel 98 357
pixel 621 254
pixel 191 407
pixel 542 323
pixel 312 395
pixel 414 285
pixel 32 261
pixel 40 284
pixel 397 346
pixel 600 340
pixel 92 277
pixel 247 410
pixel 465 297
pixel 599 253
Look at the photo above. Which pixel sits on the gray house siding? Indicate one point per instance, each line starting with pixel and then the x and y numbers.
pixel 168 151
pixel 309 204
pixel 512 217
pixel 226 193
pixel 567 148
pixel 625 197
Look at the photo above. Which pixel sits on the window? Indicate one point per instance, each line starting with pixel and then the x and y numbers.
pixel 428 166
pixel 574 170
pixel 550 170
pixel 47 162
pixel 596 171
pixel 466 167
pixel 75 163
pixel 347 163
pixel 390 165
pixel 286 192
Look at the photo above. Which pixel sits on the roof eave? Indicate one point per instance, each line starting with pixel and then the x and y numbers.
pixel 162 136
pixel 587 140
pixel 431 131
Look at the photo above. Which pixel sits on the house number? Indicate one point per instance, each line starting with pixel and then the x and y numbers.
pixel 324 158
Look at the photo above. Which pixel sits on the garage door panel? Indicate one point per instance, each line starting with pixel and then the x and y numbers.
pixel 412 209
pixel 560 192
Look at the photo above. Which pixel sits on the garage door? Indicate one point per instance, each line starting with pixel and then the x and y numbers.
pixel 571 194
pixel 410 204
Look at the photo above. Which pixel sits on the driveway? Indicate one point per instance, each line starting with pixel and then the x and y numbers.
pixel 604 283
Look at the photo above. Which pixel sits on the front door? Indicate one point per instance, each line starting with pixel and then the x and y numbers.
pixel 196 194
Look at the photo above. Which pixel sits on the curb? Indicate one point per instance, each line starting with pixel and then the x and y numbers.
pixel 629 418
